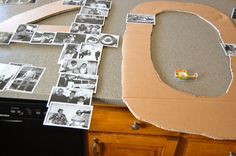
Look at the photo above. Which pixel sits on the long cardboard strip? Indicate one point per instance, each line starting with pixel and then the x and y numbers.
pixel 35 15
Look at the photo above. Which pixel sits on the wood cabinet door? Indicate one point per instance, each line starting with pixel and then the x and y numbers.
pixel 113 144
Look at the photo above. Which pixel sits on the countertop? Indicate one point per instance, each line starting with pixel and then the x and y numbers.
pixel 166 38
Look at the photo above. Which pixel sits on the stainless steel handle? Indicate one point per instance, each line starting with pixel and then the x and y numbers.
pixel 232 154
pixel 135 126
pixel 95 144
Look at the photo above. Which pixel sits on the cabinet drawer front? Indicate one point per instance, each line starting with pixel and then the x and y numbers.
pixel 210 148
pixel 120 120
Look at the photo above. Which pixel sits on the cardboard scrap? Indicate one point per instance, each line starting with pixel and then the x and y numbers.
pixel 38 14
pixel 153 101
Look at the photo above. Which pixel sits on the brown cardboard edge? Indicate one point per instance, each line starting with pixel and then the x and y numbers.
pixel 126 97
pixel 36 15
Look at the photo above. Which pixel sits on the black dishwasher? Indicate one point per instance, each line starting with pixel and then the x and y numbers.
pixel 22 132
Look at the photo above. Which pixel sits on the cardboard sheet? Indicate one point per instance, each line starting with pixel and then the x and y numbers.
pixel 153 101
pixel 38 14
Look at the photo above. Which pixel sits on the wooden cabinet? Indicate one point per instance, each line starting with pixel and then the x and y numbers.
pixel 110 144
pixel 115 131
pixel 200 146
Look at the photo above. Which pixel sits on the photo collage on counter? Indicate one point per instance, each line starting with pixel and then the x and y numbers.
pixel 70 101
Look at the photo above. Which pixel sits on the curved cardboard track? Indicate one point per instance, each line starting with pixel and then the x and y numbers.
pixel 38 14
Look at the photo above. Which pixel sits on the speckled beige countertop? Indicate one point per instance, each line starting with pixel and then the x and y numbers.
pixel 175 36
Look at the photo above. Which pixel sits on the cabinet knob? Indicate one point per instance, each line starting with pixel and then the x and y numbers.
pixel 232 154
pixel 135 126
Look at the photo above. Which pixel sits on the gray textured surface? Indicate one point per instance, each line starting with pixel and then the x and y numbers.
pixel 177 44
pixel 109 86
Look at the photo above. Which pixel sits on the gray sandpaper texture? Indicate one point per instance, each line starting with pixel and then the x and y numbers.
pixel 167 48
pixel 184 41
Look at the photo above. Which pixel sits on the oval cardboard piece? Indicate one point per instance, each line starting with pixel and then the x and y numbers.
pixel 153 101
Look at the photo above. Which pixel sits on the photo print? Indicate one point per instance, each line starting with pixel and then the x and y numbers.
pixel 7 72
pixel 91 19
pixel 140 18
pixel 71 95
pixel 68 115
pixel 90 51
pixel 43 38
pixel 18 64
pixel 233 15
pixel 93 39
pixel 94 11
pixel 24 33
pixel 69 51
pixel 77 66
pixel 74 2
pixel 78 81
pixel 98 4
pixel 84 28
pixel 62 38
pixel 229 49
pixel 20 1
pixel 27 79
pixel 5 37
pixel 107 40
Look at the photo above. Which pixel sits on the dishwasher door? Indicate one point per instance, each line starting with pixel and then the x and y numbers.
pixel 24 133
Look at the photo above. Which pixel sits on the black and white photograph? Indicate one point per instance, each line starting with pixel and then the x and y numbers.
pixel 90 51
pixel 93 39
pixel 43 38
pixel 74 2
pixel 24 33
pixel 233 15
pixel 71 95
pixel 99 4
pixel 20 1
pixel 7 72
pixel 27 79
pixel 69 51
pixel 18 64
pixel 94 11
pixel 68 115
pixel 84 28
pixel 140 18
pixel 91 19
pixel 107 40
pixel 229 49
pixel 62 38
pixel 77 66
pixel 78 81
pixel 5 37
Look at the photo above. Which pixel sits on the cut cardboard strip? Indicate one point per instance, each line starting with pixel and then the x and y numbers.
pixel 35 15
pixel 54 28
pixel 153 101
